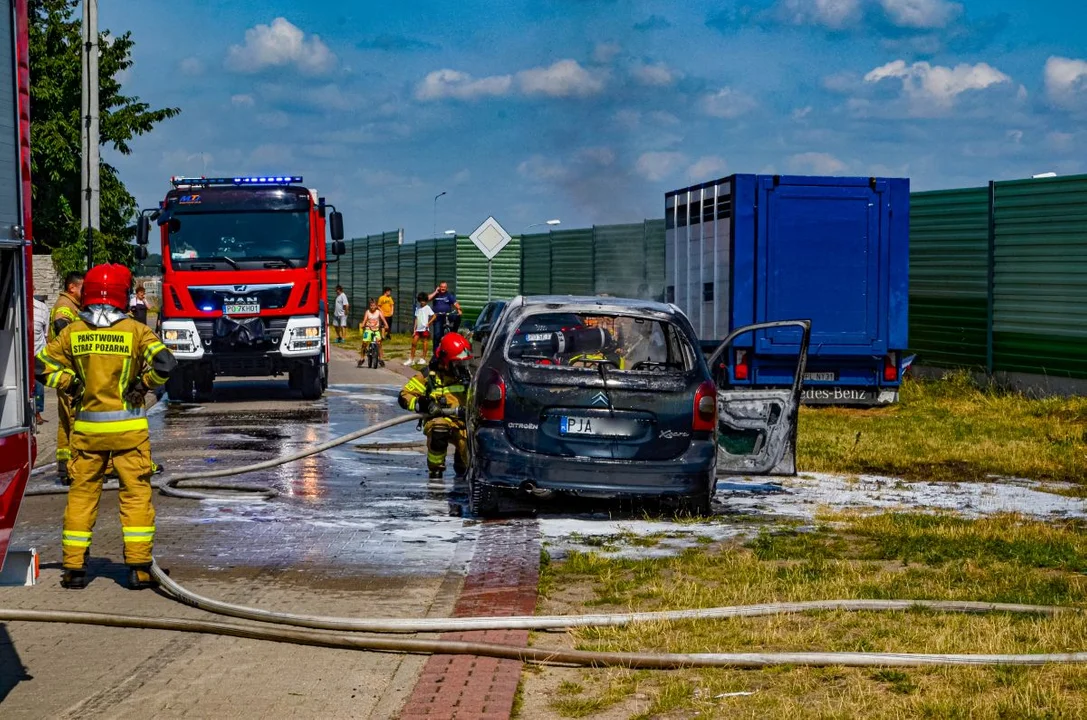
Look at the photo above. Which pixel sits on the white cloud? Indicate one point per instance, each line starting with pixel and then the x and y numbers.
pixel 801 113
pixel 192 66
pixel 1066 81
pixel 1016 136
pixel 242 100
pixel 921 14
pixel 602 156
pixel 565 78
pixel 935 87
pixel 447 83
pixel 728 103
pixel 707 168
pixel 627 118
pixel 605 52
pixel 816 163
pixel 833 14
pixel 658 74
pixel 280 44
pixel 276 120
pixel 462 177
pixel 661 117
pixel 849 14
pixel 656 166
pixel 540 167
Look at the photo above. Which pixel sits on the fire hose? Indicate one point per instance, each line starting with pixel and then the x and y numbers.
pixel 323 631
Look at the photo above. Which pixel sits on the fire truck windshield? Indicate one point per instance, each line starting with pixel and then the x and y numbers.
pixel 203 240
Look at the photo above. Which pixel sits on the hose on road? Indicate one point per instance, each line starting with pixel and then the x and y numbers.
pixel 190 485
pixel 659 661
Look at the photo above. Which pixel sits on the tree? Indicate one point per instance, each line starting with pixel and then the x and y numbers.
pixel 56 38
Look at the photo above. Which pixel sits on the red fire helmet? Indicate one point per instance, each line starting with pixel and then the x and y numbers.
pixel 454 348
pixel 107 285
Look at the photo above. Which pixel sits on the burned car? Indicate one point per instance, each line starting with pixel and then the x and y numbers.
pixel 616 402
pixel 600 397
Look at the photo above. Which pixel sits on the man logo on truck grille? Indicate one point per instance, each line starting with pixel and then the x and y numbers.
pixel 601 399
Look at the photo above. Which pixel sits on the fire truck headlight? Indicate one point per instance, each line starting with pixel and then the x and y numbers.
pixel 311 332
pixel 169 335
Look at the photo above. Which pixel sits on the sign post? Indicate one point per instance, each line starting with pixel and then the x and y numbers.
pixel 490 238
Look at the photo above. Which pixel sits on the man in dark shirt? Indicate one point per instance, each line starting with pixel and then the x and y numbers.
pixel 445 305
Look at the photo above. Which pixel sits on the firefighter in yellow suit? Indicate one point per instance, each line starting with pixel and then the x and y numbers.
pixel 65 312
pixel 444 386
pixel 107 362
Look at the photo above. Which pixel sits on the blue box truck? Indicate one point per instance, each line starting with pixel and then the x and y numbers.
pixel 749 249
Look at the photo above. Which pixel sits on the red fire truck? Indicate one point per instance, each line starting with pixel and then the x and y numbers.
pixel 244 283
pixel 17 446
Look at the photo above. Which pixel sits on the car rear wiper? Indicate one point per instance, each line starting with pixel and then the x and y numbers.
pixel 602 367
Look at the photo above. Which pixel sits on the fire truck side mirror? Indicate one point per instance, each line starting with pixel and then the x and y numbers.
pixel 142 230
pixel 141 252
pixel 335 221
pixel 338 248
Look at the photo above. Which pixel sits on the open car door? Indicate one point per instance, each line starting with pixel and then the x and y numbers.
pixel 756 427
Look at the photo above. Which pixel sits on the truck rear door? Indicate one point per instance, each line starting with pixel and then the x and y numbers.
pixel 821 254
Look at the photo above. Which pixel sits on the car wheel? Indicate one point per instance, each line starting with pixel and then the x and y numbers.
pixel 697 505
pixel 482 498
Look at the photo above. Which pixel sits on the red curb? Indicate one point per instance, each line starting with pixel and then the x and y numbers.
pixel 502 580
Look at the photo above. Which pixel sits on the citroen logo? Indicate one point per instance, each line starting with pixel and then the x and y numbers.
pixel 601 399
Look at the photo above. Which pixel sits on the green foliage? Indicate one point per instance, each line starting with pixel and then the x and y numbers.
pixel 55 98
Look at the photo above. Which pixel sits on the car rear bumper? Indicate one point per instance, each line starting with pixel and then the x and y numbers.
pixel 501 464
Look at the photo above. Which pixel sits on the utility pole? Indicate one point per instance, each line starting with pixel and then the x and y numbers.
pixel 90 185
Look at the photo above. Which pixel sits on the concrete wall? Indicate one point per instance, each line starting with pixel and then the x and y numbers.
pixel 46 280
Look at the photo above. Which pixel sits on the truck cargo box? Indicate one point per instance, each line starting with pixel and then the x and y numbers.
pixel 754 248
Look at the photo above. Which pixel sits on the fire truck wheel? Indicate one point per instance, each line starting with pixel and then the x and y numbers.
pixel 311 383
pixel 179 386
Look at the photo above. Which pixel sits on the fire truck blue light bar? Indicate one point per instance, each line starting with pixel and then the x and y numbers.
pixel 240 180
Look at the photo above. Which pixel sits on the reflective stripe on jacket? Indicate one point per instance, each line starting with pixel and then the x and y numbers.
pixel 435 385
pixel 107 361
pixel 65 312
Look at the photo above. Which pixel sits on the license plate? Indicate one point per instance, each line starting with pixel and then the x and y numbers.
pixel 241 309
pixel 821 376
pixel 538 337
pixel 598 427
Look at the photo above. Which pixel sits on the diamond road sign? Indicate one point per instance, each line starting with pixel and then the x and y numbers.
pixel 490 238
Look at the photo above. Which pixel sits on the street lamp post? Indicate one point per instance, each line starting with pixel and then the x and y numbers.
pixel 435 231
pixel 552 223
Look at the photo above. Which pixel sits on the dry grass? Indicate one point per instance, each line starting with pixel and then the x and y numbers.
pixel 950 430
pixel 1004 559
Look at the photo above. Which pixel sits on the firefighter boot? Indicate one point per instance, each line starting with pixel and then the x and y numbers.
pixel 437 447
pixel 73 579
pixel 139 577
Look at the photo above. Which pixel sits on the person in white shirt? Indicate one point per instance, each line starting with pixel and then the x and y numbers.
pixel 339 317
pixel 424 318
pixel 41 329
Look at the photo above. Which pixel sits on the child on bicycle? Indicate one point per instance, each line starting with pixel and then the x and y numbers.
pixel 372 326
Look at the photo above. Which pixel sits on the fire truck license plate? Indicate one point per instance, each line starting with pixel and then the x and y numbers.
pixel 241 309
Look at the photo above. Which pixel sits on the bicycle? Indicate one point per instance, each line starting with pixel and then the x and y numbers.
pixel 371 357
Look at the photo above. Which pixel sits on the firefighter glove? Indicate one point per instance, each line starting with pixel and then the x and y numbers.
pixel 462 414
pixel 424 405
pixel 136 393
pixel 75 389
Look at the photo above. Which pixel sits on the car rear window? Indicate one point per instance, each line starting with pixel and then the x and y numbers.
pixel 625 343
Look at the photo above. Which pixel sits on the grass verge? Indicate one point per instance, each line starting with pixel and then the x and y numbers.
pixel 397 345
pixel 950 430
pixel 1001 559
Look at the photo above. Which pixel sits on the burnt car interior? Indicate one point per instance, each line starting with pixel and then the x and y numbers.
pixel 618 343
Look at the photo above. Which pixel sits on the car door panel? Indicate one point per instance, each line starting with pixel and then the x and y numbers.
pixel 757 427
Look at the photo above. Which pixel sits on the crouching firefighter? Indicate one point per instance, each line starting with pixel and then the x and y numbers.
pixel 106 362
pixel 440 395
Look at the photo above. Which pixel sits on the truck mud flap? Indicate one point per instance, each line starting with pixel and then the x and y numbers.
pixel 756 427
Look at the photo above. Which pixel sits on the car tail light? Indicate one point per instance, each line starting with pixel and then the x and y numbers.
pixel 705 407
pixel 742 369
pixel 890 367
pixel 492 398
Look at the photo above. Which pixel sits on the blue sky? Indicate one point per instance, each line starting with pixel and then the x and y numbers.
pixel 589 111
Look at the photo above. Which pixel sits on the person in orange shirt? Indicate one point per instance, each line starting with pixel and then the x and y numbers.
pixel 387 305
